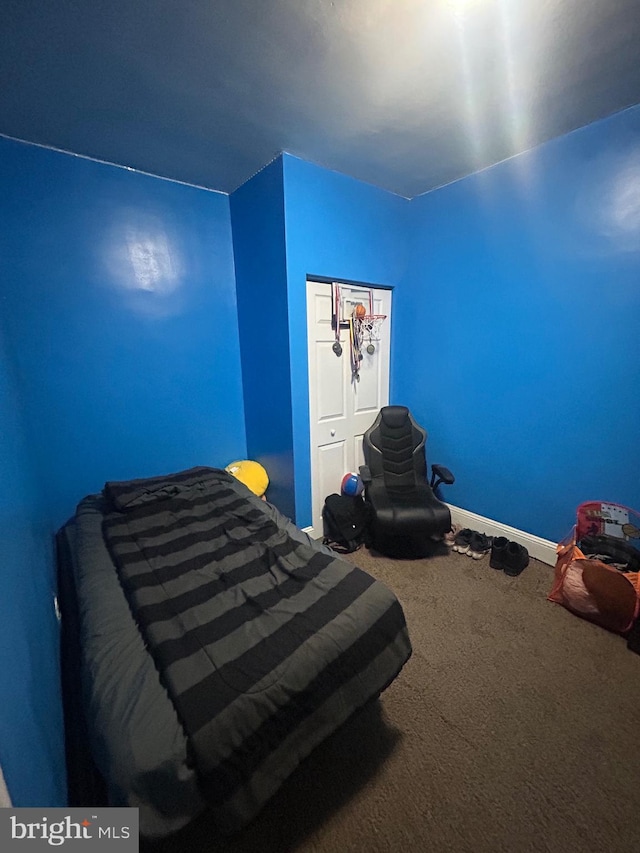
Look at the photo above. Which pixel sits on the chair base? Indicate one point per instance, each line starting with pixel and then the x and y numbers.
pixel 409 547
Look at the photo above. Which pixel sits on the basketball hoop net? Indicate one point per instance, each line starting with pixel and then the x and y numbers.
pixel 368 327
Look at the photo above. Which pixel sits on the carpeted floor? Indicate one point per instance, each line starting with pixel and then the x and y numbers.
pixel 514 727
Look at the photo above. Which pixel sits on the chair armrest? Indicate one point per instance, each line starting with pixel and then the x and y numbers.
pixel 365 473
pixel 440 474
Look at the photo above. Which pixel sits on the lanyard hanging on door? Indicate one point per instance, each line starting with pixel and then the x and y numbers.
pixel 335 317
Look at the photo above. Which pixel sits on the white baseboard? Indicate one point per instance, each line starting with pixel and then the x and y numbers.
pixel 540 549
pixel 310 532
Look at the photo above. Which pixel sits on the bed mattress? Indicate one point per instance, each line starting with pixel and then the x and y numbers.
pixel 266 680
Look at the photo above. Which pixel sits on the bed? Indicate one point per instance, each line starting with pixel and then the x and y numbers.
pixel 208 646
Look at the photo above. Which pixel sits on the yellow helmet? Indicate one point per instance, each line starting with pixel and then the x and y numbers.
pixel 252 474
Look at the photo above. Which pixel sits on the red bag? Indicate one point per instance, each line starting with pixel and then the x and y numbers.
pixel 591 588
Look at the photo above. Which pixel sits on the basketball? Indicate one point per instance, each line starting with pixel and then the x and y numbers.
pixel 352 484
pixel 360 311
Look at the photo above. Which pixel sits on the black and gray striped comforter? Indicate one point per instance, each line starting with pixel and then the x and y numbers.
pixel 264 643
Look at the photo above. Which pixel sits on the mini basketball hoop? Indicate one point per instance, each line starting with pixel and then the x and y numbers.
pixel 363 325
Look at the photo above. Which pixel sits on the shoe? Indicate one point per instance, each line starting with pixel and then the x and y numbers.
pixel 498 551
pixel 462 540
pixel 450 538
pixel 479 545
pixel 516 559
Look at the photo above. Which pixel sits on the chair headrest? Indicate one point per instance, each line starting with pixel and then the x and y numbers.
pixel 394 416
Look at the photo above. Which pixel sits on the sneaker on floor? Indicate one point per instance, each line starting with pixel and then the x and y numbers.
pixel 498 552
pixel 450 538
pixel 462 540
pixel 516 559
pixel 479 545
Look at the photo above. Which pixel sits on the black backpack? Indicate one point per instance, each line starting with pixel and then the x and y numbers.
pixel 346 523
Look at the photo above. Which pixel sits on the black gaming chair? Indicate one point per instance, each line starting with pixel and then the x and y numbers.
pixel 406 516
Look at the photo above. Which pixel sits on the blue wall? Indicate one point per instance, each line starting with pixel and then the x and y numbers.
pixel 517 339
pixel 336 227
pixel 31 739
pixel 120 322
pixel 120 310
pixel 257 215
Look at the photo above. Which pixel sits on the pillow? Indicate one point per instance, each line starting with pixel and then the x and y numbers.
pixel 129 494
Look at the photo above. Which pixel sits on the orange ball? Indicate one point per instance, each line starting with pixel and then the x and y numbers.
pixel 360 311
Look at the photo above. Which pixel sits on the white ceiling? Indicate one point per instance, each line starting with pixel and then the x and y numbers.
pixel 404 94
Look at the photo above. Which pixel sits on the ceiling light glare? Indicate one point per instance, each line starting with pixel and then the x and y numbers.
pixel 461 7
